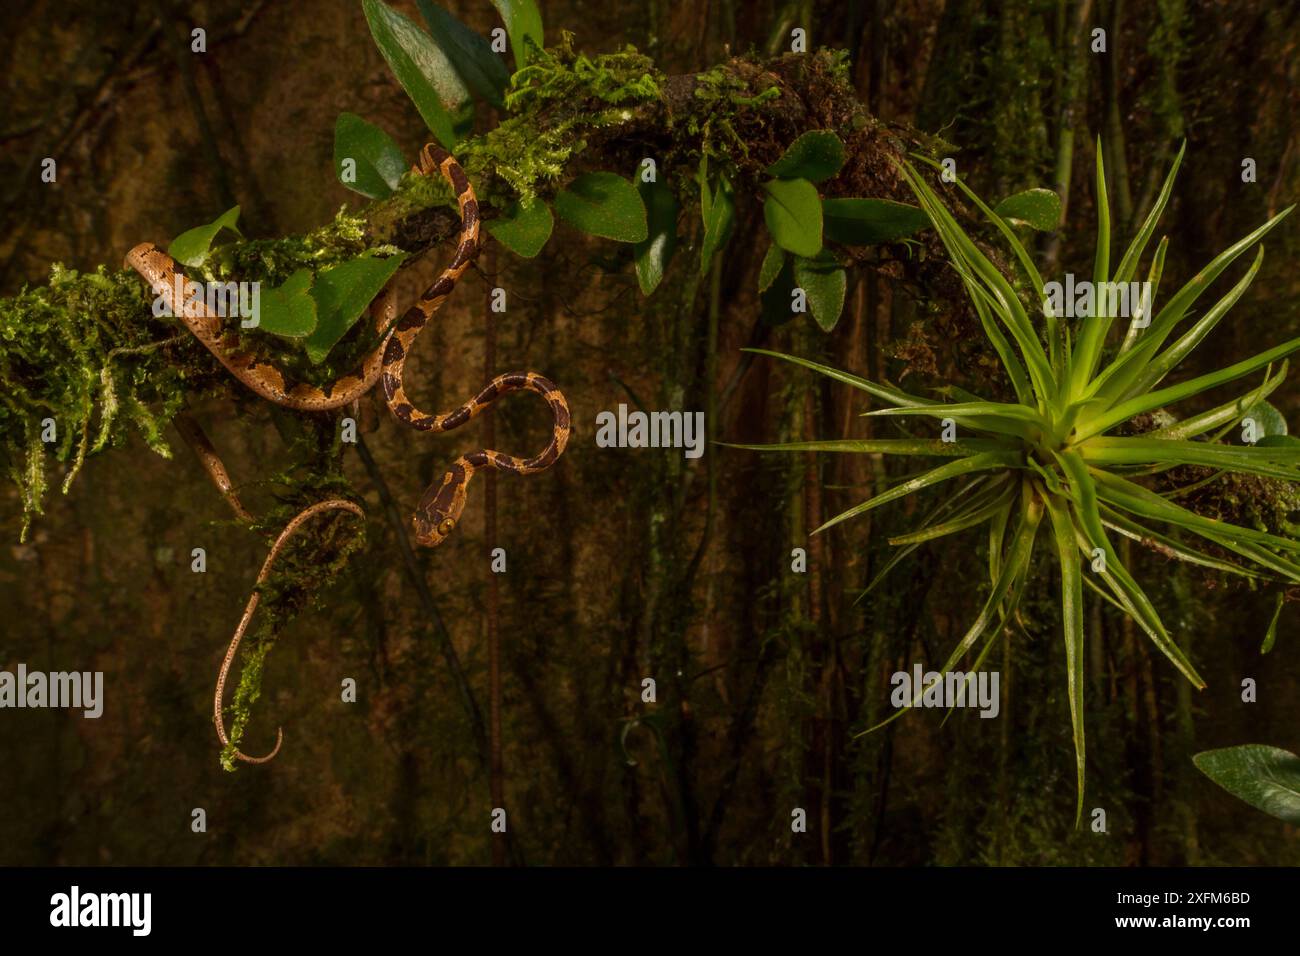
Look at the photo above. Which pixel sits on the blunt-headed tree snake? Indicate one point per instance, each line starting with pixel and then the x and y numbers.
pixel 443 502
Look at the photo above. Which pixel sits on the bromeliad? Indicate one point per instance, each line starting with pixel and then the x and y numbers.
pixel 1052 457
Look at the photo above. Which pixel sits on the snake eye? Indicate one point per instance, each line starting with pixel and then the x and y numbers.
pixel 446 526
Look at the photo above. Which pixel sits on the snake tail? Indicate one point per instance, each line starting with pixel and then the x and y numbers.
pixel 332 504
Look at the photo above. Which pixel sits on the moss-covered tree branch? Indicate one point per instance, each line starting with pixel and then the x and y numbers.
pixel 84 355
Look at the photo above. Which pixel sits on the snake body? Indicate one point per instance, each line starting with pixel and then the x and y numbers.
pixel 443 502
pixel 164 275
pixel 301 518
pixel 440 508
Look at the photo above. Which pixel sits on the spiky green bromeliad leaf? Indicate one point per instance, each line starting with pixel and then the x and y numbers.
pixel 1051 454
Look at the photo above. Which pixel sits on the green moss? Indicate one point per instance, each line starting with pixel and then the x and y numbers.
pixel 1265 504
pixel 414 194
pixel 720 93
pixel 554 104
pixel 85 353
pixel 310 560
pixel 273 260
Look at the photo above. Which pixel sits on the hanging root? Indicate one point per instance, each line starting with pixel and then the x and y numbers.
pixel 290 529
pixel 200 444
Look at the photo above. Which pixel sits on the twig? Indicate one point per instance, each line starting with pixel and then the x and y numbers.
pixel 496 774
pixel 426 601
pixel 201 445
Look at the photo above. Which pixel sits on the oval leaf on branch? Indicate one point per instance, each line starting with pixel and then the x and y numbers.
pixel 605 205
pixel 1270 636
pixel 653 254
pixel 824 281
pixel 191 247
pixel 288 310
pixel 1269 422
pixel 1268 778
pixel 777 300
pixel 482 70
pixel 342 293
pixel 523 25
pixel 1037 208
pixel 773 263
pixel 379 163
pixel 866 222
pixel 424 71
pixel 718 209
pixel 793 213
pixel 523 229
pixel 816 155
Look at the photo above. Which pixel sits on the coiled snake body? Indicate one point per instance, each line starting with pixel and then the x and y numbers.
pixel 443 502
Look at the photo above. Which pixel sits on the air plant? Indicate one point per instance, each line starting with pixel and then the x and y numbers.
pixel 1054 451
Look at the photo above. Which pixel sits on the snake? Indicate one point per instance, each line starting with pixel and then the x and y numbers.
pixel 301 518
pixel 443 502
pixel 441 506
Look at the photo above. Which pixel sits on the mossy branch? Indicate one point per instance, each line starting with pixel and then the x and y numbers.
pixel 86 352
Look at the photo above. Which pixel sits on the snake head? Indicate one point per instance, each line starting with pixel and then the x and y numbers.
pixel 440 509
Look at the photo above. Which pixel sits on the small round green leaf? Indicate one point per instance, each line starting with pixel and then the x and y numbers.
pixel 1269 422
pixel 1038 208
pixel 605 205
pixel 777 300
pixel 773 263
pixel 288 310
pixel 377 161
pixel 653 255
pixel 793 213
pixel 1268 778
pixel 866 222
pixel 342 293
pixel 718 209
pixel 824 281
pixel 1278 441
pixel 191 247
pixel 816 155
pixel 523 229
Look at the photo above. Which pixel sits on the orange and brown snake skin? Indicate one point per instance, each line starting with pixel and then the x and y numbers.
pixel 301 518
pixel 443 502
pixel 441 506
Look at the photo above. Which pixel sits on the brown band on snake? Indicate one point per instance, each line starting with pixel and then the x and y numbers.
pixel 298 521
pixel 440 508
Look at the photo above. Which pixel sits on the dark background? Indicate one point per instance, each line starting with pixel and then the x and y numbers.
pixel 625 564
